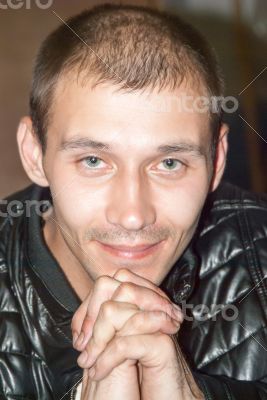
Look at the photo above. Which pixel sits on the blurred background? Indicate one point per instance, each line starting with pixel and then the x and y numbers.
pixel 237 29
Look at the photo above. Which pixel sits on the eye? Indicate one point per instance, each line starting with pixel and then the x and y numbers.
pixel 171 164
pixel 92 162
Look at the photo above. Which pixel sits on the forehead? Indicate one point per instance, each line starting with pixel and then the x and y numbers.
pixel 138 116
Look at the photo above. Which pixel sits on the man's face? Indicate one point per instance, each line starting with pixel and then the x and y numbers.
pixel 146 185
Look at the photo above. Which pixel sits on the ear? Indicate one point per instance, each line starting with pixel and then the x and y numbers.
pixel 220 158
pixel 31 152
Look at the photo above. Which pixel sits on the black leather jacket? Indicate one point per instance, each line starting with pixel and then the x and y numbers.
pixel 225 264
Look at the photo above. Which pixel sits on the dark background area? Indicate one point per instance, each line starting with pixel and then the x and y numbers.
pixel 236 29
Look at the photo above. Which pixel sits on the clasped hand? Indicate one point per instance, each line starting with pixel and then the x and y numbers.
pixel 126 324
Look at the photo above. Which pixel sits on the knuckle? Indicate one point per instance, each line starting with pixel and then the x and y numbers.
pixel 158 316
pixel 102 281
pixel 120 344
pixel 96 341
pixel 107 309
pixel 139 320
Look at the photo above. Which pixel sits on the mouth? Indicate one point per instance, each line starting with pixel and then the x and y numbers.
pixel 131 252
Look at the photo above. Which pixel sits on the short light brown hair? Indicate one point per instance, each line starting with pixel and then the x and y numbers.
pixel 130 46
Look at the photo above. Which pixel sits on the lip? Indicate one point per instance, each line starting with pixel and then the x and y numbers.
pixel 131 252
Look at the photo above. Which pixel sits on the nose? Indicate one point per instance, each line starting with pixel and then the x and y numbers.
pixel 130 204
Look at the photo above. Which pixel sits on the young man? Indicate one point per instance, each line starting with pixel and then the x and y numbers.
pixel 127 162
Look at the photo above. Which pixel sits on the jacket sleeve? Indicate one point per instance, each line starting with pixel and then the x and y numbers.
pixel 224 388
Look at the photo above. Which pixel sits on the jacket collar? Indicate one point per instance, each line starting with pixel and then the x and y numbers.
pixel 48 273
pixel 180 281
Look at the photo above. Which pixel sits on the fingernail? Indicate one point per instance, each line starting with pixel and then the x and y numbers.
pixel 75 337
pixel 82 357
pixel 176 323
pixel 80 339
pixel 92 372
pixel 176 306
pixel 177 311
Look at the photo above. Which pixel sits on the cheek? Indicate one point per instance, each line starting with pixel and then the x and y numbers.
pixel 183 204
pixel 77 206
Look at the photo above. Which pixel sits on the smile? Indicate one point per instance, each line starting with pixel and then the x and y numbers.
pixel 131 252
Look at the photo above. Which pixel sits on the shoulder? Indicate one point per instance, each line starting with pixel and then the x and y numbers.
pixel 12 208
pixel 12 213
pixel 15 349
pixel 229 302
pixel 229 200
pixel 233 223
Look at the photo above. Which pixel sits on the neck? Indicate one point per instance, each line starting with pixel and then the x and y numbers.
pixel 73 270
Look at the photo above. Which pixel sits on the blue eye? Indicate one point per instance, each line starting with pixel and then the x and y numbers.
pixel 172 163
pixel 92 161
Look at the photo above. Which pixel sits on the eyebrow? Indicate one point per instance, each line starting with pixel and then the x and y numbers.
pixel 87 143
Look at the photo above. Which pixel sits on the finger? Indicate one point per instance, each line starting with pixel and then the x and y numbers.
pixel 84 318
pixel 103 290
pixel 145 322
pixel 105 286
pixel 111 318
pixel 78 318
pixel 121 320
pixel 125 275
pixel 146 299
pixel 150 350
